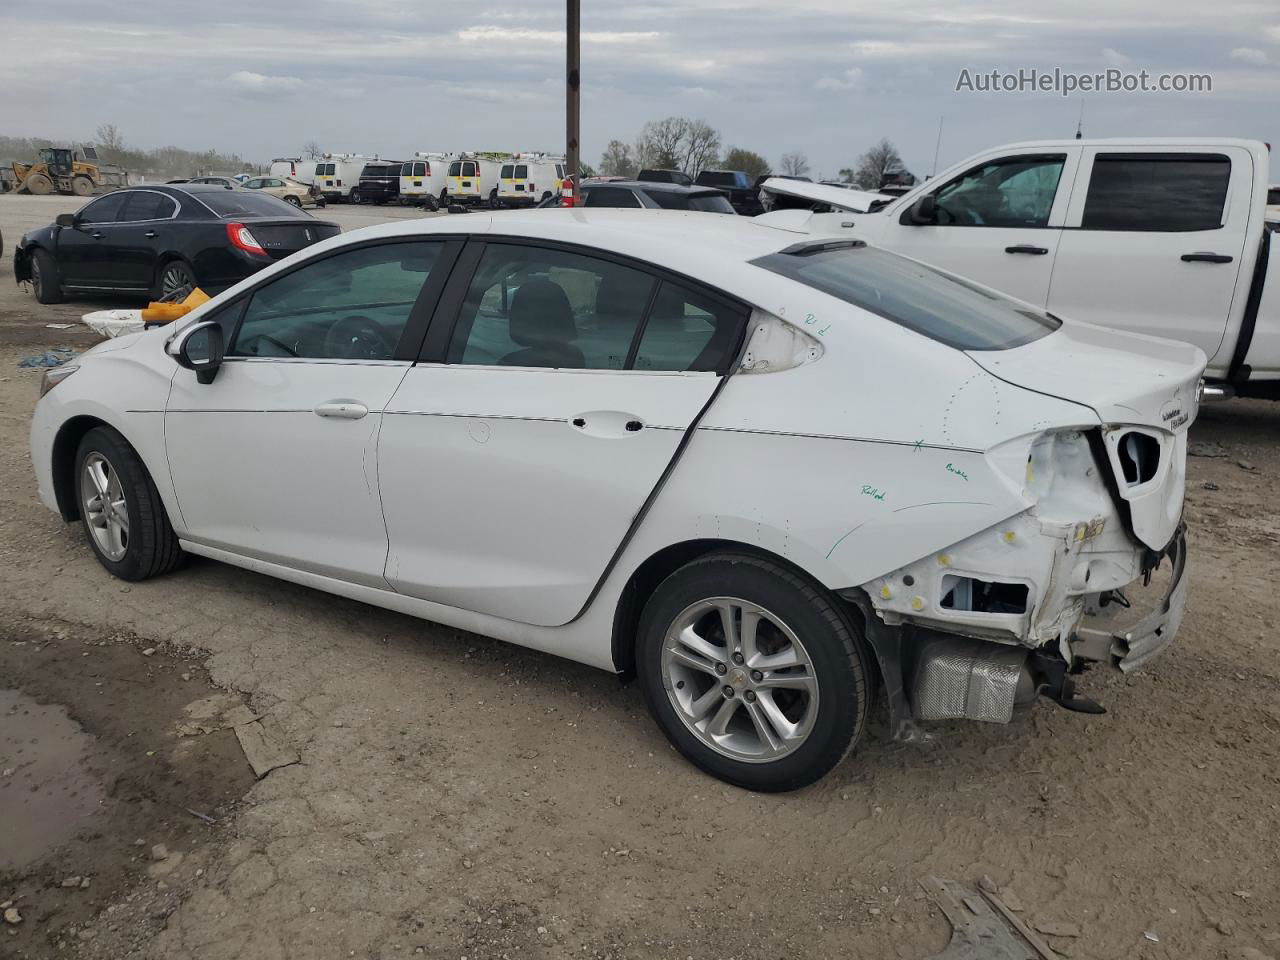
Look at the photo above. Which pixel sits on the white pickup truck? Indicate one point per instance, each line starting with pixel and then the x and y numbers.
pixel 1158 236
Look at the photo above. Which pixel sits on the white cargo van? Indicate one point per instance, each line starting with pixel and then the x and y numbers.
pixel 337 173
pixel 293 168
pixel 528 178
pixel 473 178
pixel 424 179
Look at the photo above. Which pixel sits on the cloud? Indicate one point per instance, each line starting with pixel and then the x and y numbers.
pixel 1115 58
pixel 1250 55
pixel 851 79
pixel 496 34
pixel 246 81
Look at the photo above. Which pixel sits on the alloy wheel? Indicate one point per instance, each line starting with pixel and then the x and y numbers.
pixel 176 279
pixel 105 507
pixel 740 679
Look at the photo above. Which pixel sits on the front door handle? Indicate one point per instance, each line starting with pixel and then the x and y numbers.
pixel 1027 248
pixel 96 236
pixel 1203 257
pixel 150 234
pixel 342 410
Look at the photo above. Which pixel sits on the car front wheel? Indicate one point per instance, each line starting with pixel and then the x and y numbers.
pixel 121 510
pixel 46 282
pixel 752 672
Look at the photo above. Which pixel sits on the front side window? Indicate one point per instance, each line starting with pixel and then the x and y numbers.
pixel 350 306
pixel 1010 192
pixel 1162 192
pixel 105 210
pixel 532 307
pixel 611 197
pixel 915 296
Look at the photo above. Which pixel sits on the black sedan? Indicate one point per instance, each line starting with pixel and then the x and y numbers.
pixel 162 241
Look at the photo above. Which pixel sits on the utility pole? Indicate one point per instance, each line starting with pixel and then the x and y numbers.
pixel 573 35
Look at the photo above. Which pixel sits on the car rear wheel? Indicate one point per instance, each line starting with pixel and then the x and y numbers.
pixel 752 672
pixel 120 508
pixel 294 200
pixel 46 282
pixel 174 280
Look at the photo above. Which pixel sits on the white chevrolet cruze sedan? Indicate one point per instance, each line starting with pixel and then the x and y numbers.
pixel 766 472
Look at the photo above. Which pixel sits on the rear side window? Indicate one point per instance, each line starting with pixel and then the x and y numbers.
pixel 687 331
pixel 918 297
pixel 145 205
pixel 352 305
pixel 1163 192
pixel 610 197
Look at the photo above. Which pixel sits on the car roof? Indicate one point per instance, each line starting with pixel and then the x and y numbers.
pixel 652 186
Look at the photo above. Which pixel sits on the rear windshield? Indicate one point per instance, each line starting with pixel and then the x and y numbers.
pixel 379 170
pixel 1273 197
pixel 508 171
pixel 718 179
pixel 233 204
pixel 920 298
pixel 709 201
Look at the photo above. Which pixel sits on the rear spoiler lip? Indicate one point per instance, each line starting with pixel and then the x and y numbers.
pixel 854 201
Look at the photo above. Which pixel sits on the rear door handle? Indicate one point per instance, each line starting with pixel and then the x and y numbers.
pixel 150 234
pixel 1027 248
pixel 1203 257
pixel 342 410
pixel 96 236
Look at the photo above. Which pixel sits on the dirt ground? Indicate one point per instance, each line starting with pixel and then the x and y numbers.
pixel 458 797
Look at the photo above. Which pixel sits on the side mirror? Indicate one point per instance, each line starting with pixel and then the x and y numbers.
pixel 924 211
pixel 67 220
pixel 200 348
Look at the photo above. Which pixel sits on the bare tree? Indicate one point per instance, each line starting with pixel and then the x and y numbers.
pixel 110 140
pixel 795 164
pixel 312 149
pixel 680 143
pixel 846 174
pixel 617 160
pixel 878 164
pixel 752 163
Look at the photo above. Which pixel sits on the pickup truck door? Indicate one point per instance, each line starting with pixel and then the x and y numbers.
pixel 999 222
pixel 1154 243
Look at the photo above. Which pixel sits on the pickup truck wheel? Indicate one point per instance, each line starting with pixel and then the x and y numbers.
pixel 752 672
pixel 494 202
pixel 431 203
pixel 354 196
pixel 46 282
pixel 120 508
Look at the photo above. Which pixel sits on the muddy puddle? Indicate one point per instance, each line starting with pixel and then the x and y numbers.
pixel 47 794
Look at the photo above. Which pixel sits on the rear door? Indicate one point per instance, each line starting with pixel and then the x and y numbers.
pixel 148 228
pixel 1154 243
pixel 999 222
pixel 556 387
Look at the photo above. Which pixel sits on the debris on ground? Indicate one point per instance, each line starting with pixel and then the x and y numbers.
pixel 263 748
pixel 50 358
pixel 982 926
pixel 1205 448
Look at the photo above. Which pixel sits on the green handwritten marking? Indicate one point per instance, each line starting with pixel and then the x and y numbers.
pixel 918 447
pixel 810 318
pixel 959 473
pixel 823 331
pixel 872 492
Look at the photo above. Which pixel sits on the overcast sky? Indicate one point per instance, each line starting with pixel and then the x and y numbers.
pixel 826 77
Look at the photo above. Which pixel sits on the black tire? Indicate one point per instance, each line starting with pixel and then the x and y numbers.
pixel 293 200
pixel 46 280
pixel 320 204
pixel 431 203
pixel 494 202
pixel 829 638
pixel 172 278
pixel 354 195
pixel 152 546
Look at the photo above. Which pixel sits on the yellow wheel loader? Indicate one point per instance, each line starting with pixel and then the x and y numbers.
pixel 66 170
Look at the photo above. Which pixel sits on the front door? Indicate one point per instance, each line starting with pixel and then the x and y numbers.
pixel 277 458
pixel 1155 243
pixel 998 223
pixel 513 463
pixel 84 251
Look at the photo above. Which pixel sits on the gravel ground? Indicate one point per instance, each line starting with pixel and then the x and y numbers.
pixel 458 797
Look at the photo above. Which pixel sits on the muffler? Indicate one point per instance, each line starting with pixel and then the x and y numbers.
pixel 956 678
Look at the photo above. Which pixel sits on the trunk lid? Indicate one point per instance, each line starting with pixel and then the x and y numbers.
pixel 1145 392
pixel 285 236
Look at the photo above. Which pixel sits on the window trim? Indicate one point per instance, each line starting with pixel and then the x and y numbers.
pixel 415 327
pixel 1000 160
pixel 448 308
pixel 1139 155
pixel 172 216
